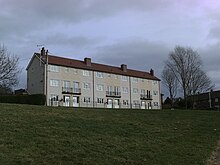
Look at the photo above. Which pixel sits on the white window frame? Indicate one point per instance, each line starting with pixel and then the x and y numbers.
pixel 135 90
pixel 135 79
pixel 53 68
pixel 99 74
pixel 99 87
pixel 124 78
pixel 87 99
pixel 86 85
pixel 54 83
pixel 125 102
pixel 86 73
pixel 100 100
pixel 125 89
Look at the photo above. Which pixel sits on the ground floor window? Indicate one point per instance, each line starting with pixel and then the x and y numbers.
pixel 87 100
pixel 100 100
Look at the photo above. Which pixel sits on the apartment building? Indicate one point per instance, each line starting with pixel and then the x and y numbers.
pixel 75 83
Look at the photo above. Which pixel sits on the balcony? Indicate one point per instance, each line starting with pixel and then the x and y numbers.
pixel 113 94
pixel 68 90
pixel 146 97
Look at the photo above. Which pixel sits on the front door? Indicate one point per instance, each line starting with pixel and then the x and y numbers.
pixel 75 101
pixel 66 101
pixel 116 103
pixel 143 104
pixel 109 103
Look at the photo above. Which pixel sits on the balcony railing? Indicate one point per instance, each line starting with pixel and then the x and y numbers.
pixel 113 94
pixel 68 90
pixel 146 97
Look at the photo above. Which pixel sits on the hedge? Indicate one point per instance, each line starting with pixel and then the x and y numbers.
pixel 36 99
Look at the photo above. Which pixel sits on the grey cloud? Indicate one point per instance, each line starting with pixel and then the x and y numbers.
pixel 137 54
pixel 64 40
pixel 215 32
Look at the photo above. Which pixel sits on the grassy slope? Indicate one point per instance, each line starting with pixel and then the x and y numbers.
pixel 46 135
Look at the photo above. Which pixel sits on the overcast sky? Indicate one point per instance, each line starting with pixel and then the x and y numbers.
pixel 139 33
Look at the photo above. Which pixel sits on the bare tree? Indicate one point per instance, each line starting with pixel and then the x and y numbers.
pixel 170 82
pixel 186 65
pixel 8 68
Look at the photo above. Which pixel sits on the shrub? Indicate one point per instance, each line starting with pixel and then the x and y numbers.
pixel 36 99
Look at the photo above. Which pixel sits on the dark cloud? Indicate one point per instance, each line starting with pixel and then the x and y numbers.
pixel 137 54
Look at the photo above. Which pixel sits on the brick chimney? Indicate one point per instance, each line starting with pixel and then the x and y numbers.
pixel 124 67
pixel 87 61
pixel 152 72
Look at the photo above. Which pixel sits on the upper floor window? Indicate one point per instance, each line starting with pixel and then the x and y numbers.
pixel 125 89
pixel 75 71
pixel 86 73
pixel 109 75
pixel 54 83
pixel 66 84
pixel 86 85
pixel 124 78
pixel 135 90
pixel 53 68
pixel 155 93
pixel 143 91
pixel 154 82
pixel 142 80
pixel 99 74
pixel 99 87
pixel 66 70
pixel 135 79
pixel 116 76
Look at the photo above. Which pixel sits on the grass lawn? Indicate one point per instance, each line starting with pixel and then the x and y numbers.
pixel 47 135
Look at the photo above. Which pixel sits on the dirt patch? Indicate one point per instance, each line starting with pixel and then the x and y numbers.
pixel 215 158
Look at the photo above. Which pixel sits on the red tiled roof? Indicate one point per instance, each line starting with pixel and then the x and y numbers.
pixel 61 61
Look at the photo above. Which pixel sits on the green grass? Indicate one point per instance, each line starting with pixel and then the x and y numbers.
pixel 46 135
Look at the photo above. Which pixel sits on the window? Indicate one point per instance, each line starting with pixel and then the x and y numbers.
pixel 143 91
pixel 86 85
pixel 154 82
pixel 66 84
pixel 109 75
pixel 54 83
pixel 125 89
pixel 100 100
pixel 86 73
pixel 142 80
pixel 109 88
pixel 66 70
pixel 125 102
pixel 136 102
pixel 216 100
pixel 124 78
pixel 99 74
pixel 135 90
pixel 155 103
pixel 135 79
pixel 155 93
pixel 116 76
pixel 87 99
pixel 75 71
pixel 99 87
pixel 54 97
pixel 53 68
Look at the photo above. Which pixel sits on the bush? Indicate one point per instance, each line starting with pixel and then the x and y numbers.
pixel 36 99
